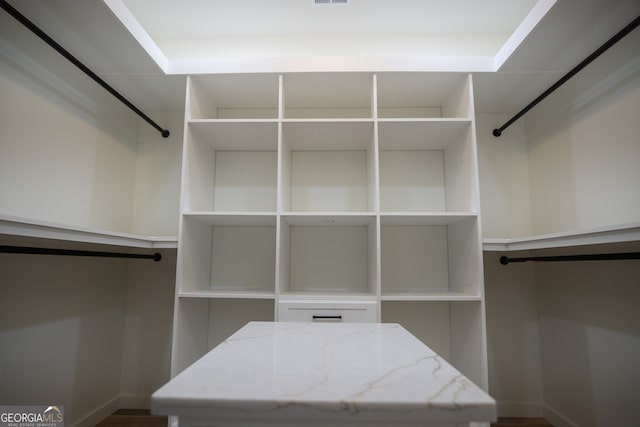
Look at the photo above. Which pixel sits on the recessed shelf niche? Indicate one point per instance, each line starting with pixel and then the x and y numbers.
pixel 216 250
pixel 232 166
pixel 423 95
pixel 328 167
pixel 328 96
pixel 328 255
pixel 426 166
pixel 233 96
pixel 430 257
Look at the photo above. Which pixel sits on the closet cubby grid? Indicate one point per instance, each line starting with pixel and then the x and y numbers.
pixel 328 186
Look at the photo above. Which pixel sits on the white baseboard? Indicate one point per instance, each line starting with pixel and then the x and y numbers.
pixel 556 418
pixel 93 418
pixel 519 409
pixel 120 402
pixel 533 410
pixel 135 402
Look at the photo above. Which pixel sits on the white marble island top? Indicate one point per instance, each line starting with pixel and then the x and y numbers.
pixel 316 374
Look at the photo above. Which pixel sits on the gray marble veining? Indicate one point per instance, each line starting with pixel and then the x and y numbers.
pixel 315 374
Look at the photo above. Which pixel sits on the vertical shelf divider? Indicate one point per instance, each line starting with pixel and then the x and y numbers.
pixel 279 200
pixel 376 186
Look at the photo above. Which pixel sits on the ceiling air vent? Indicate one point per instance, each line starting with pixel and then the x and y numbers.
pixel 331 2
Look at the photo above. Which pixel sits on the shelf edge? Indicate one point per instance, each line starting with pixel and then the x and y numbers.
pixel 23 227
pixel 225 295
pixel 431 297
pixel 603 235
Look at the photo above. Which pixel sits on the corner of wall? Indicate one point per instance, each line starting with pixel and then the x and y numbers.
pixel 504 179
pixel 156 195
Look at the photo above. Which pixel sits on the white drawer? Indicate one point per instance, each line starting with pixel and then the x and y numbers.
pixel 327 311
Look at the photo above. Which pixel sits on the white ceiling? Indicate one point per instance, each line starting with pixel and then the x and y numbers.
pixel 296 35
pixel 225 18
pixel 194 36
pixel 89 29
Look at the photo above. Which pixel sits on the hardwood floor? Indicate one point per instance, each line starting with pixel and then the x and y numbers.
pixel 521 422
pixel 133 418
pixel 142 418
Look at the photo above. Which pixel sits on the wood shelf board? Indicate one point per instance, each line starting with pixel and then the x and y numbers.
pixel 227 294
pixel 425 218
pixel 233 218
pixel 320 299
pixel 429 296
pixel 328 219
pixel 597 236
pixel 327 121
pixel 23 227
pixel 229 122
pixel 328 295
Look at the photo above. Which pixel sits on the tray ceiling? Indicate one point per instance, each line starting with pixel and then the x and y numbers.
pixel 193 36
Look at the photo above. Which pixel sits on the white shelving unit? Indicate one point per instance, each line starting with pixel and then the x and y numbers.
pixel 349 196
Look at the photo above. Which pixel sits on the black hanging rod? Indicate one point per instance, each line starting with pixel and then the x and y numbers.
pixel 72 252
pixel 587 257
pixel 38 32
pixel 613 40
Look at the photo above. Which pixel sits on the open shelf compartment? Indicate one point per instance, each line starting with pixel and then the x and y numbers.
pixel 424 95
pixel 451 329
pixel 426 166
pixel 328 167
pixel 430 256
pixel 233 96
pixel 328 255
pixel 216 250
pixel 231 166
pixel 328 95
pixel 203 323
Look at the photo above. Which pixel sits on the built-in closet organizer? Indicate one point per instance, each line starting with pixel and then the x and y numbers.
pixel 331 197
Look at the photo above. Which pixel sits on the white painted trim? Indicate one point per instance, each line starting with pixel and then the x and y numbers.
pixel 331 64
pixel 526 26
pixel 556 419
pixel 603 235
pixel 119 402
pixel 102 412
pixel 520 409
pixel 606 85
pixel 135 402
pixel 125 16
pixel 284 64
pixel 23 227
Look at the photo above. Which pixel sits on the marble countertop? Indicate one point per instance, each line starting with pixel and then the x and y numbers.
pixel 271 373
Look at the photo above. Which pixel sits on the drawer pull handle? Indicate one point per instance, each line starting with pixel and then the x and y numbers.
pixel 338 317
